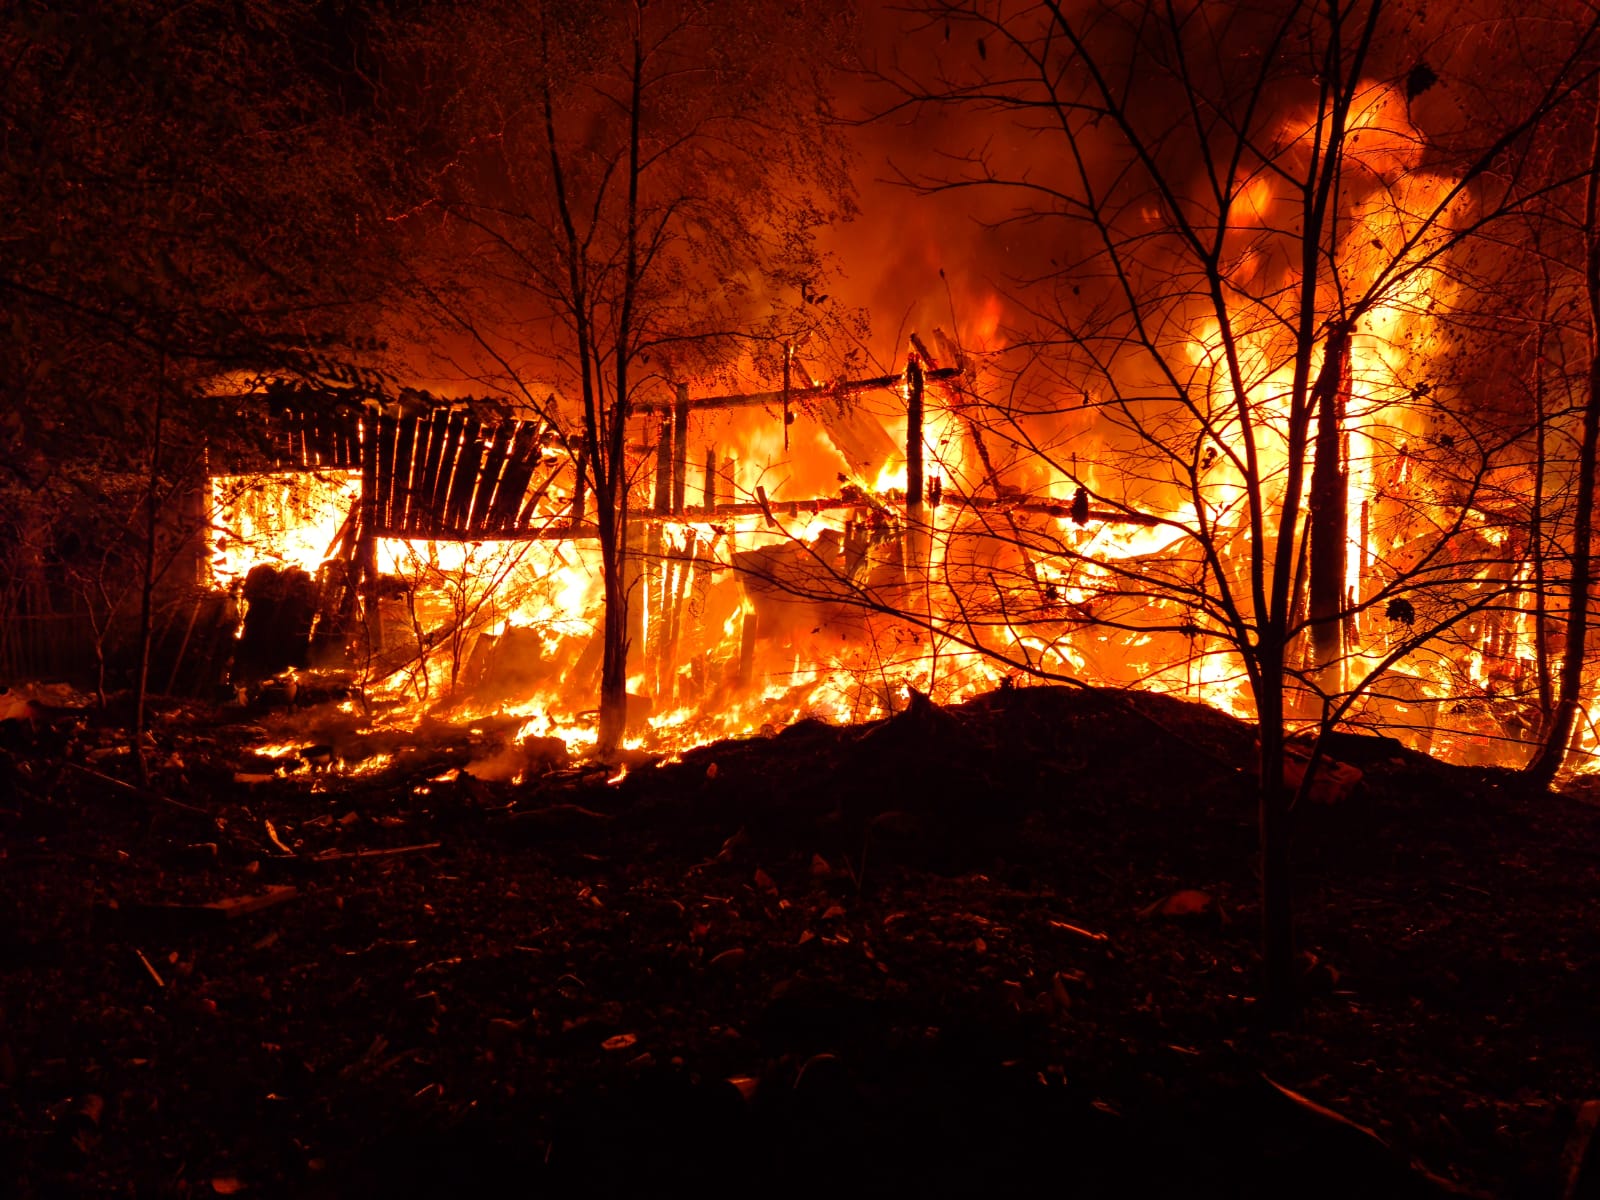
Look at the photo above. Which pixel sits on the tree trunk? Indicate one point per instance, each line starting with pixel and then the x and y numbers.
pixel 1277 898
pixel 147 576
pixel 1329 519
pixel 613 631
pixel 1558 730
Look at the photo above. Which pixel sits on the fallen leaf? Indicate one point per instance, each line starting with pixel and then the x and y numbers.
pixel 620 1042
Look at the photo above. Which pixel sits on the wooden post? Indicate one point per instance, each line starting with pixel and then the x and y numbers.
pixel 710 493
pixel 680 437
pixel 367 543
pixel 916 536
pixel 664 466
pixel 786 417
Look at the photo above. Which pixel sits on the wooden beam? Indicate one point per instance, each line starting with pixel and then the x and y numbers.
pixel 796 395
pixel 680 447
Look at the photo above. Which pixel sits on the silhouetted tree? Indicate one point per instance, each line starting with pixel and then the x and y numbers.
pixel 1249 225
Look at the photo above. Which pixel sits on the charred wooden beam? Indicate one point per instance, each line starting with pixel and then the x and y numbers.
pixel 524 457
pixel 845 387
pixel 449 453
pixel 388 427
pixel 494 463
pixel 464 480
pixel 404 443
pixel 423 507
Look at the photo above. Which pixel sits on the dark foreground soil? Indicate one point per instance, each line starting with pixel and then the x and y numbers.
pixel 924 956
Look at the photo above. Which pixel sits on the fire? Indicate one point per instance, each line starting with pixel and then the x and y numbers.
pixel 792 577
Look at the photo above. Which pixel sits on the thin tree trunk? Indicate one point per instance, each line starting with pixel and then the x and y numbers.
pixel 1558 730
pixel 613 718
pixel 147 579
pixel 1330 502
pixel 1277 898
pixel 1536 533
pixel 612 505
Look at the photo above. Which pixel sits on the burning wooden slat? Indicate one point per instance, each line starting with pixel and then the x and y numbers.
pixel 489 477
pixel 469 457
pixel 418 488
pixel 449 454
pixel 404 448
pixel 369 475
pixel 438 436
pixel 530 508
pixel 514 483
pixel 388 427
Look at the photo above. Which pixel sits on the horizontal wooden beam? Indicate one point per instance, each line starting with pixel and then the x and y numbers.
pixel 777 508
pixel 796 395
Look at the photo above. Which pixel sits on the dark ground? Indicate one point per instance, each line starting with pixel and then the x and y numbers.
pixel 912 956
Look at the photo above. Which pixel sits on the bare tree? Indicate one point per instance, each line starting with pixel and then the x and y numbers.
pixel 1254 223
pixel 636 206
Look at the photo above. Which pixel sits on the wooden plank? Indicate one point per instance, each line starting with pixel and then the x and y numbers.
pixel 350 440
pixel 405 440
pixel 449 453
pixel 419 494
pixel 514 483
pixel 796 396
pixel 383 501
pixel 438 435
pixel 469 457
pixel 530 508
pixel 369 474
pixel 494 463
